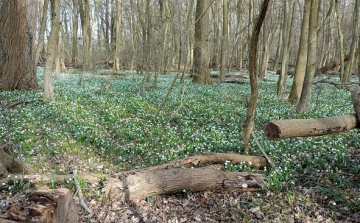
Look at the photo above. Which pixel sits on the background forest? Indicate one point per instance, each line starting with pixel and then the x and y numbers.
pixel 109 86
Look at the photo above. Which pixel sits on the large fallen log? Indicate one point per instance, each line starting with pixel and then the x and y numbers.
pixel 167 181
pixel 291 128
pixel 186 174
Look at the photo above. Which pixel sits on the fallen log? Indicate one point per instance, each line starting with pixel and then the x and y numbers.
pixel 291 128
pixel 42 206
pixel 147 183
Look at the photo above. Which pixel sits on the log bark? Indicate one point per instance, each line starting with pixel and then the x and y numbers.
pixel 167 181
pixel 203 159
pixel 292 128
pixel 42 206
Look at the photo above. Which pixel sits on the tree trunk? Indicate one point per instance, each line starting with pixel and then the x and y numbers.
pixel 300 67
pixel 17 36
pixel 118 35
pixel 224 40
pixel 250 115
pixel 341 41
pixel 201 72
pixel 86 35
pixel 355 33
pixel 51 50
pixel 40 44
pixel 291 128
pixel 304 103
pixel 74 52
pixel 285 51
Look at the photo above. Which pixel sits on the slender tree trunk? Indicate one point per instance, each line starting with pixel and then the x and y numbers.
pixel 87 35
pixel 40 45
pixel 17 51
pixel 300 67
pixel 341 41
pixel 304 103
pixel 250 115
pixel 355 33
pixel 224 40
pixel 74 54
pixel 285 52
pixel 51 50
pixel 201 72
pixel 107 24
pixel 118 35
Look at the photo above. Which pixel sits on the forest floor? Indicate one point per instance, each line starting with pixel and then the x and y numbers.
pixel 107 130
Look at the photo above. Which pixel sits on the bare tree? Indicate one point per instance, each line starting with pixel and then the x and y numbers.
pixel 250 115
pixel 17 51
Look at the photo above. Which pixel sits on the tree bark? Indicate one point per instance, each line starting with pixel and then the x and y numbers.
pixel 292 128
pixel 85 9
pixel 355 33
pixel 224 40
pixel 305 98
pixel 75 20
pixel 300 67
pixel 154 182
pixel 285 49
pixel 40 44
pixel 118 35
pixel 51 50
pixel 17 51
pixel 201 72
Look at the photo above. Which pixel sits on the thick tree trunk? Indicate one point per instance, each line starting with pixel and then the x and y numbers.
pixel 292 128
pixel 17 36
pixel 305 98
pixel 52 51
pixel 300 67
pixel 201 72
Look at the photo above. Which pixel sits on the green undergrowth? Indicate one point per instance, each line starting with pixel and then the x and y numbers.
pixel 118 127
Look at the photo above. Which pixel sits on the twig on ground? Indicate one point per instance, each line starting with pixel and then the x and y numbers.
pixel 78 189
pixel 262 150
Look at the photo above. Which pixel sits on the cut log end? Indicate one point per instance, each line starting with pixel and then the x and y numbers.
pixel 272 131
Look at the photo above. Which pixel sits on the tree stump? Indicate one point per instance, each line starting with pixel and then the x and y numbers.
pixel 42 206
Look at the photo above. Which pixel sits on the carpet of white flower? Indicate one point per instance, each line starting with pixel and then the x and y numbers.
pixel 117 129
